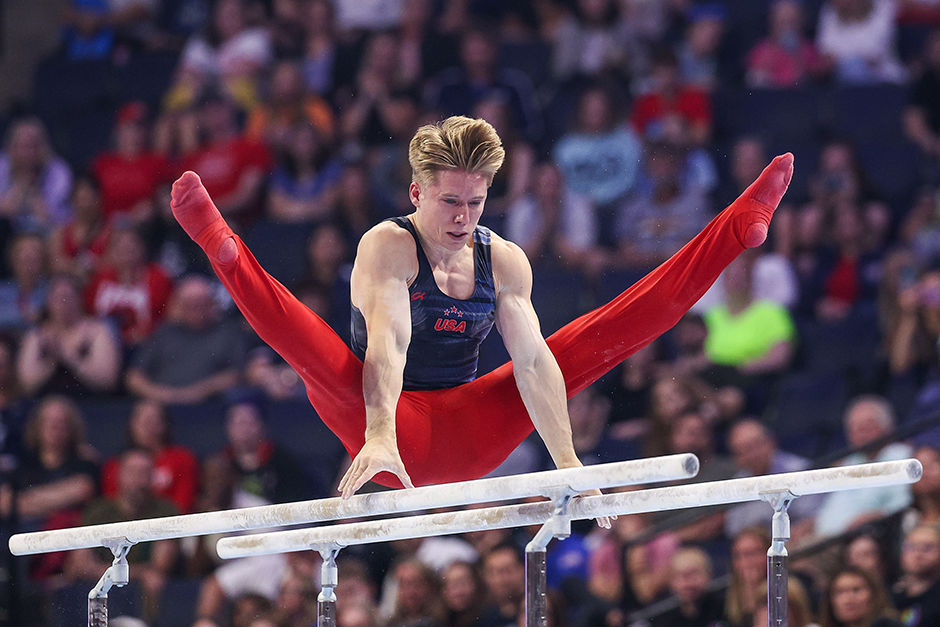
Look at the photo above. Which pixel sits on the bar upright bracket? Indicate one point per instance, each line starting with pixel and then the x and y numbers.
pixel 777 584
pixel 116 575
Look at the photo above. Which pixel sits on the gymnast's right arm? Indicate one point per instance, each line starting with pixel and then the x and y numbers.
pixel 379 284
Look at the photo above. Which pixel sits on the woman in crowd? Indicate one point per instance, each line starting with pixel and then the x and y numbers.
pixel 175 468
pixel 854 598
pixel 69 352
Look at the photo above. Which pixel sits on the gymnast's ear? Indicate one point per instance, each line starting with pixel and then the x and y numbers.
pixel 414 193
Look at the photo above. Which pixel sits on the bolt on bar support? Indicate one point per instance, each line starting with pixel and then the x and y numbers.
pixel 536 584
pixel 777 582
pixel 329 577
pixel 116 575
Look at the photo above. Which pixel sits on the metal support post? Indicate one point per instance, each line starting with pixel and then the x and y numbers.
pixel 329 577
pixel 115 575
pixel 536 585
pixel 777 585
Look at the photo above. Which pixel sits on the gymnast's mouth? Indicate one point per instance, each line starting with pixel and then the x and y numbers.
pixel 456 235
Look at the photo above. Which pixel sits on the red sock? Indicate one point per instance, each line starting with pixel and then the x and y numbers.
pixel 756 205
pixel 201 220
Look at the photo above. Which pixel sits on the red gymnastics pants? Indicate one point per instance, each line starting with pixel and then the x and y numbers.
pixel 464 432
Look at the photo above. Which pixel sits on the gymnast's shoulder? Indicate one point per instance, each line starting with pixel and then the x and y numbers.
pixel 386 247
pixel 510 264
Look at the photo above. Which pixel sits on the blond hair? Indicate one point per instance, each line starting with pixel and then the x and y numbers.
pixel 457 143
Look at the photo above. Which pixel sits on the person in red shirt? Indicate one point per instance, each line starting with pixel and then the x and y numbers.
pixel 232 167
pixel 79 246
pixel 175 468
pixel 669 97
pixel 130 174
pixel 129 289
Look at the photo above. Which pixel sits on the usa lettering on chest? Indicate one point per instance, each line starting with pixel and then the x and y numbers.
pixel 447 324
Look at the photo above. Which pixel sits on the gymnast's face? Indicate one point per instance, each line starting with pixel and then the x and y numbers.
pixel 449 207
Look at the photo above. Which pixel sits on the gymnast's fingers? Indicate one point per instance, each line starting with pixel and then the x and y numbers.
pixel 403 477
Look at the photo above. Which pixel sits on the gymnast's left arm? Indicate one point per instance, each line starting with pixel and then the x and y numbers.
pixel 538 377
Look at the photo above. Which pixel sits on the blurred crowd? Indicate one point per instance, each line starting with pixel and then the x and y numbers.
pixel 624 127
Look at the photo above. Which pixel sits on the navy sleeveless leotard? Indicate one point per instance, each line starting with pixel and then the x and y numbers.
pixel 445 332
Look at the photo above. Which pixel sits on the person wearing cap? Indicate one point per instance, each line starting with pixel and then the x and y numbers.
pixel 130 173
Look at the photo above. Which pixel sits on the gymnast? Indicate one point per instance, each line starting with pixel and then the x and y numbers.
pixel 426 288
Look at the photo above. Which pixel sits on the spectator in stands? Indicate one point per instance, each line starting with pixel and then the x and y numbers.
pixel 867 419
pixel 645 560
pixel 231 55
pixel 425 50
pixel 515 178
pixel 867 551
pixel 94 29
pixel 691 571
pixel 854 598
pixel 263 468
pixel 285 28
pixel 13 408
pixel 175 468
pixel 589 412
pixel 920 228
pixel 457 90
pixel 296 602
pixel 917 594
pixel 130 174
pixel 786 58
pixel 592 41
pixel 599 157
pixel 22 297
pixel 630 391
pixel 355 594
pixel 671 397
pixel 845 274
pixel 192 357
pixel 230 164
pixel 858 39
pixel 55 478
pixel 922 114
pixel 130 291
pixel 925 509
pixel 417 599
pixel 69 352
pixel 691 433
pixel 274 120
pixel 755 452
pixel 150 563
pixel 699 51
pixel 389 171
pixel 77 247
pixel 318 62
pixel 34 181
pixel 555 225
pixel 755 338
pixel 662 215
pixel 365 105
pixel 748 575
pixel 670 96
pixel 504 575
pixel 357 208
pixel 912 339
pixel 463 593
pixel 258 575
pixel 304 186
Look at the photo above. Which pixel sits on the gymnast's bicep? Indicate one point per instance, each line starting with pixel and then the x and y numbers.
pixel 379 289
pixel 516 319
